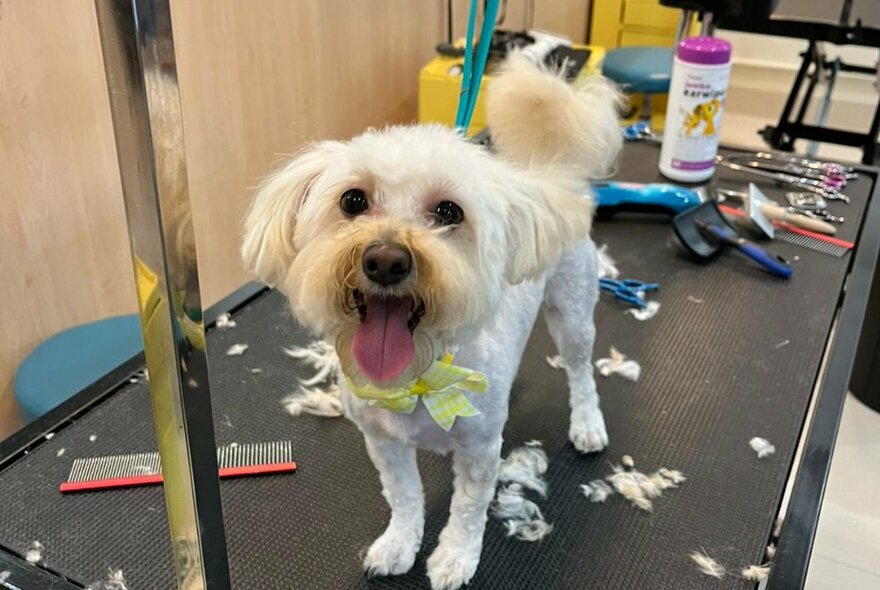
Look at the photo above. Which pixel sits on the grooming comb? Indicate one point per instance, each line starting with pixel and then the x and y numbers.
pixel 143 469
pixel 802 237
pixel 810 242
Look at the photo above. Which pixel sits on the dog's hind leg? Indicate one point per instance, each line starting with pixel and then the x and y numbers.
pixel 571 295
pixel 454 561
pixel 394 552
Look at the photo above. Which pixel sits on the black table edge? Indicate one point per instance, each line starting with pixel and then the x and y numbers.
pixel 801 520
pixel 29 577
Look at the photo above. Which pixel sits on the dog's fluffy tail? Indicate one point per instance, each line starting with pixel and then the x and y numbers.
pixel 538 120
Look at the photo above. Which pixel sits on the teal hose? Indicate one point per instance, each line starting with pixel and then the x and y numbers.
pixel 474 66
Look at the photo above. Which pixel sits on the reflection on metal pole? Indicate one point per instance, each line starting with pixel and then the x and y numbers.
pixel 139 62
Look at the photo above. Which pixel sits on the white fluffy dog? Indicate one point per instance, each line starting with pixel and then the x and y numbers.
pixel 406 244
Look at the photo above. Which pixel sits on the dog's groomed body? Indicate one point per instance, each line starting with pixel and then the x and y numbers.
pixel 405 244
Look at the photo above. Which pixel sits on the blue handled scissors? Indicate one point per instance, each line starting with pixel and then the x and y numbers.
pixel 628 290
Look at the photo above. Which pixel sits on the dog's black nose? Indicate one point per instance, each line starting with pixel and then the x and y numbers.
pixel 387 264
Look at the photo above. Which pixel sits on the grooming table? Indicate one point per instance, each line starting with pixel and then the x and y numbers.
pixel 733 353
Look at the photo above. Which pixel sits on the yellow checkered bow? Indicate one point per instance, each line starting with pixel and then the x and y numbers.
pixel 440 388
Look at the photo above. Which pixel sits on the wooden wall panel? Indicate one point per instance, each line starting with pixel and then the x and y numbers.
pixel 63 244
pixel 258 79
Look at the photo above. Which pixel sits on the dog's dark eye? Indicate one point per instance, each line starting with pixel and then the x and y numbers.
pixel 354 202
pixel 448 213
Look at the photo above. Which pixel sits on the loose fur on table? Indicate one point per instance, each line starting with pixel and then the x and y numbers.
pixel 523 469
pixel 618 363
pixel 480 242
pixel 762 447
pixel 525 466
pixel 756 573
pixel 650 310
pixel 310 399
pixel 225 321
pixel 639 489
pixel 115 581
pixel 556 362
pixel 35 553
pixel 236 350
pixel 607 266
pixel 707 565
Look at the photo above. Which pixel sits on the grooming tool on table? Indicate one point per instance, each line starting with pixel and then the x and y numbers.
pixel 628 290
pixel 669 199
pixel 704 232
pixel 640 131
pixel 142 469
pixel 756 200
pixel 812 205
pixel 801 237
pixel 824 167
pixel 807 184
pixel 838 181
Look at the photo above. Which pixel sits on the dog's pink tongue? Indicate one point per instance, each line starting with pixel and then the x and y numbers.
pixel 383 346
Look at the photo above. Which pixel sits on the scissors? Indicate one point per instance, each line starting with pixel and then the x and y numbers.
pixel 629 290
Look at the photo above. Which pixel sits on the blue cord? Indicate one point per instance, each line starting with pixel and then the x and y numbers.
pixel 474 67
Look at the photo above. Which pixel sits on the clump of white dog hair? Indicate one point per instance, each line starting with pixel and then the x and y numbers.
pixel 556 362
pixel 607 266
pixel 224 321
pixel 756 573
pixel 523 469
pixel 707 565
pixel 762 447
pixel 597 490
pixel 526 466
pixel 314 401
pixel 639 489
pixel 4 575
pixel 35 553
pixel 539 120
pixel 236 350
pixel 646 313
pixel 321 356
pixel 115 581
pixel 618 363
pixel 311 399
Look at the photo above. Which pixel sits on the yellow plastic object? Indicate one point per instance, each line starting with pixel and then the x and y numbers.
pixel 622 23
pixel 440 85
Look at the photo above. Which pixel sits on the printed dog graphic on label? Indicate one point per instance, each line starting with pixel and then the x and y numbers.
pixel 703 112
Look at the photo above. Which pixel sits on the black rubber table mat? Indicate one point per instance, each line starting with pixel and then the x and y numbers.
pixel 732 354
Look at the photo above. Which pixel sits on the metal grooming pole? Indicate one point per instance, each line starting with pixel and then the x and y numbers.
pixel 139 62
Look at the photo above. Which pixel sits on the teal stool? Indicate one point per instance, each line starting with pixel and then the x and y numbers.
pixel 644 70
pixel 71 360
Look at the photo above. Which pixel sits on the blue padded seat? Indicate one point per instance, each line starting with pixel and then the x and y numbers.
pixel 71 360
pixel 640 69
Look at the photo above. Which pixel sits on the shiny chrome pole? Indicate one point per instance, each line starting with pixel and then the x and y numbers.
pixel 139 62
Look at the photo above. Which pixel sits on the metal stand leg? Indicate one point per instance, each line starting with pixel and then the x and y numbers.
pixel 869 149
pixel 707 25
pixel 777 137
pixel 139 60
pixel 825 105
pixel 684 24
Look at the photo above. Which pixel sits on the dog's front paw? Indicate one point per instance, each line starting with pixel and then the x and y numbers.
pixel 451 567
pixel 393 553
pixel 587 431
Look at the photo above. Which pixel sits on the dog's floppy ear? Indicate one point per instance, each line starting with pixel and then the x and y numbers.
pixel 543 220
pixel 267 249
